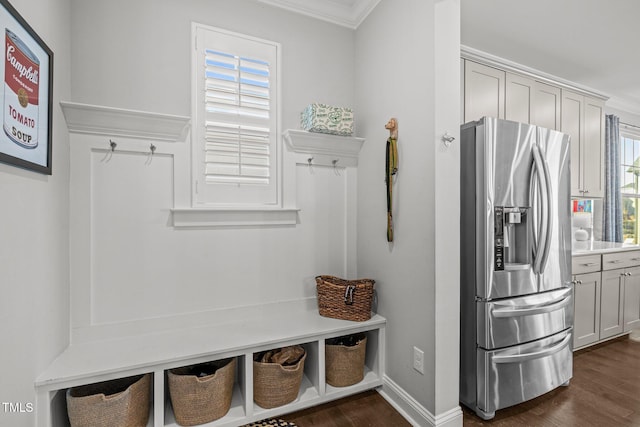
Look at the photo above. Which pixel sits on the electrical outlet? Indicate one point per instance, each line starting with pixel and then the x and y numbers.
pixel 418 360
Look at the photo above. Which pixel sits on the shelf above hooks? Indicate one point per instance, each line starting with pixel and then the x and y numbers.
pixel 323 149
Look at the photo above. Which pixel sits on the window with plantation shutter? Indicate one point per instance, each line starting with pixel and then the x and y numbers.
pixel 235 148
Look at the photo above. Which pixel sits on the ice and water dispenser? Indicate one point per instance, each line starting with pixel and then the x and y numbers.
pixel 511 238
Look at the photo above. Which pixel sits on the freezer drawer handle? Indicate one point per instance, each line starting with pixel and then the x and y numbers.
pixel 518 358
pixel 558 296
pixel 515 312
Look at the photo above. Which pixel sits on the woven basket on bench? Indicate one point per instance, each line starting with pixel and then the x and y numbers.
pixel 198 400
pixel 118 403
pixel 345 299
pixel 345 364
pixel 276 385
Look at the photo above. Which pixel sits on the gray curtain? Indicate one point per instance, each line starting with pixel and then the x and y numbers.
pixel 612 209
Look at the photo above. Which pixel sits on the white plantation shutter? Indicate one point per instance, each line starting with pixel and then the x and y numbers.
pixel 235 152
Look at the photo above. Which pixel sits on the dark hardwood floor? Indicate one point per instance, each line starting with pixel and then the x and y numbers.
pixel 366 409
pixel 604 392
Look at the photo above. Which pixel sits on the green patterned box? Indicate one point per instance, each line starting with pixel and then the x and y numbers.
pixel 323 118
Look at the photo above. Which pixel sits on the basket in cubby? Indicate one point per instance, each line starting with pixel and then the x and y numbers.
pixel 344 363
pixel 122 402
pixel 275 384
pixel 202 393
pixel 345 299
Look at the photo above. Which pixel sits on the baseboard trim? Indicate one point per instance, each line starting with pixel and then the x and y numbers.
pixel 413 411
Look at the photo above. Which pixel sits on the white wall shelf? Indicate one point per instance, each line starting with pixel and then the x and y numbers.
pixel 97 361
pixel 100 120
pixel 323 149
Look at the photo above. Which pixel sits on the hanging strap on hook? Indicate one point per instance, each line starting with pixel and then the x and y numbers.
pixel 113 145
pixel 152 148
pixel 391 168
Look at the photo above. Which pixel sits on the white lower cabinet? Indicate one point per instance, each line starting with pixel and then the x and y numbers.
pixel 612 303
pixel 606 296
pixel 586 325
pixel 632 299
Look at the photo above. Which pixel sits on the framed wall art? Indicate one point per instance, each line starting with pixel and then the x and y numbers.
pixel 26 73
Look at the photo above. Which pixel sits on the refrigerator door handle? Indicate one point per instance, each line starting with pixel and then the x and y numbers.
pixel 535 212
pixel 518 358
pixel 549 205
pixel 517 311
pixel 543 229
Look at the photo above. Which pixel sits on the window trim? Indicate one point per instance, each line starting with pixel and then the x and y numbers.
pixel 194 176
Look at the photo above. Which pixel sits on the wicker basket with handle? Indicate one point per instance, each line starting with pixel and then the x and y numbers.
pixel 276 385
pixel 344 363
pixel 202 399
pixel 345 299
pixel 117 403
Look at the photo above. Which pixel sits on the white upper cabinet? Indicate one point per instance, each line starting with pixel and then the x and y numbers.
pixel 583 120
pixel 522 96
pixel 519 98
pixel 593 158
pixel 546 106
pixel 484 91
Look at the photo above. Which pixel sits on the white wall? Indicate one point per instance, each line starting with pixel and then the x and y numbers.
pixel 34 225
pixel 396 79
pixel 402 74
pixel 142 269
pixel 137 54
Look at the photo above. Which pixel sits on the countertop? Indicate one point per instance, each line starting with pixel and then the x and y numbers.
pixel 597 247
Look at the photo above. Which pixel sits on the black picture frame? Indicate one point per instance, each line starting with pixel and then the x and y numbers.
pixel 26 98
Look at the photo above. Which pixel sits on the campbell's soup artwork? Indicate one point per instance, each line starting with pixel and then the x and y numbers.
pixel 21 87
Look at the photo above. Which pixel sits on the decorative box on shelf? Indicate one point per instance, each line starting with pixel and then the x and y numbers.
pixel 322 118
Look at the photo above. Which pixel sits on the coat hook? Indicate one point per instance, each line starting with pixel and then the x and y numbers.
pixel 113 145
pixel 448 139
pixel 152 148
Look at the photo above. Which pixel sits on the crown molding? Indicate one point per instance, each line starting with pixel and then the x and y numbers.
pixel 485 58
pixel 346 13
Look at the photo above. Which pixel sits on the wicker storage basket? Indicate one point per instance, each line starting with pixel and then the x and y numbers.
pixel 118 403
pixel 276 385
pixel 345 364
pixel 202 399
pixel 345 299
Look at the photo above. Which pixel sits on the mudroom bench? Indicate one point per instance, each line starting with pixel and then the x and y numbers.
pixel 156 353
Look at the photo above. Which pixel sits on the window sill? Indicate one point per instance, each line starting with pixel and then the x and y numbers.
pixel 233 217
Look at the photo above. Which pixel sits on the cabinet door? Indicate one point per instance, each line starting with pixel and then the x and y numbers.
pixel 592 150
pixel 632 299
pixel 546 106
pixel 611 303
pixel 519 94
pixel 483 91
pixel 586 324
pixel 571 124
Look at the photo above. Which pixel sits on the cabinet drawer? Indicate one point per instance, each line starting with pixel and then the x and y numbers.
pixel 585 264
pixel 620 260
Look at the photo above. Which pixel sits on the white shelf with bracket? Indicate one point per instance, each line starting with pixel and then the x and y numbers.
pixel 323 149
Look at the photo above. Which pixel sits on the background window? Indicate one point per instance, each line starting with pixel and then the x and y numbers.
pixel 630 174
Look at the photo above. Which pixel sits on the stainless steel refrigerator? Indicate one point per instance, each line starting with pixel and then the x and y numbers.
pixel 516 292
